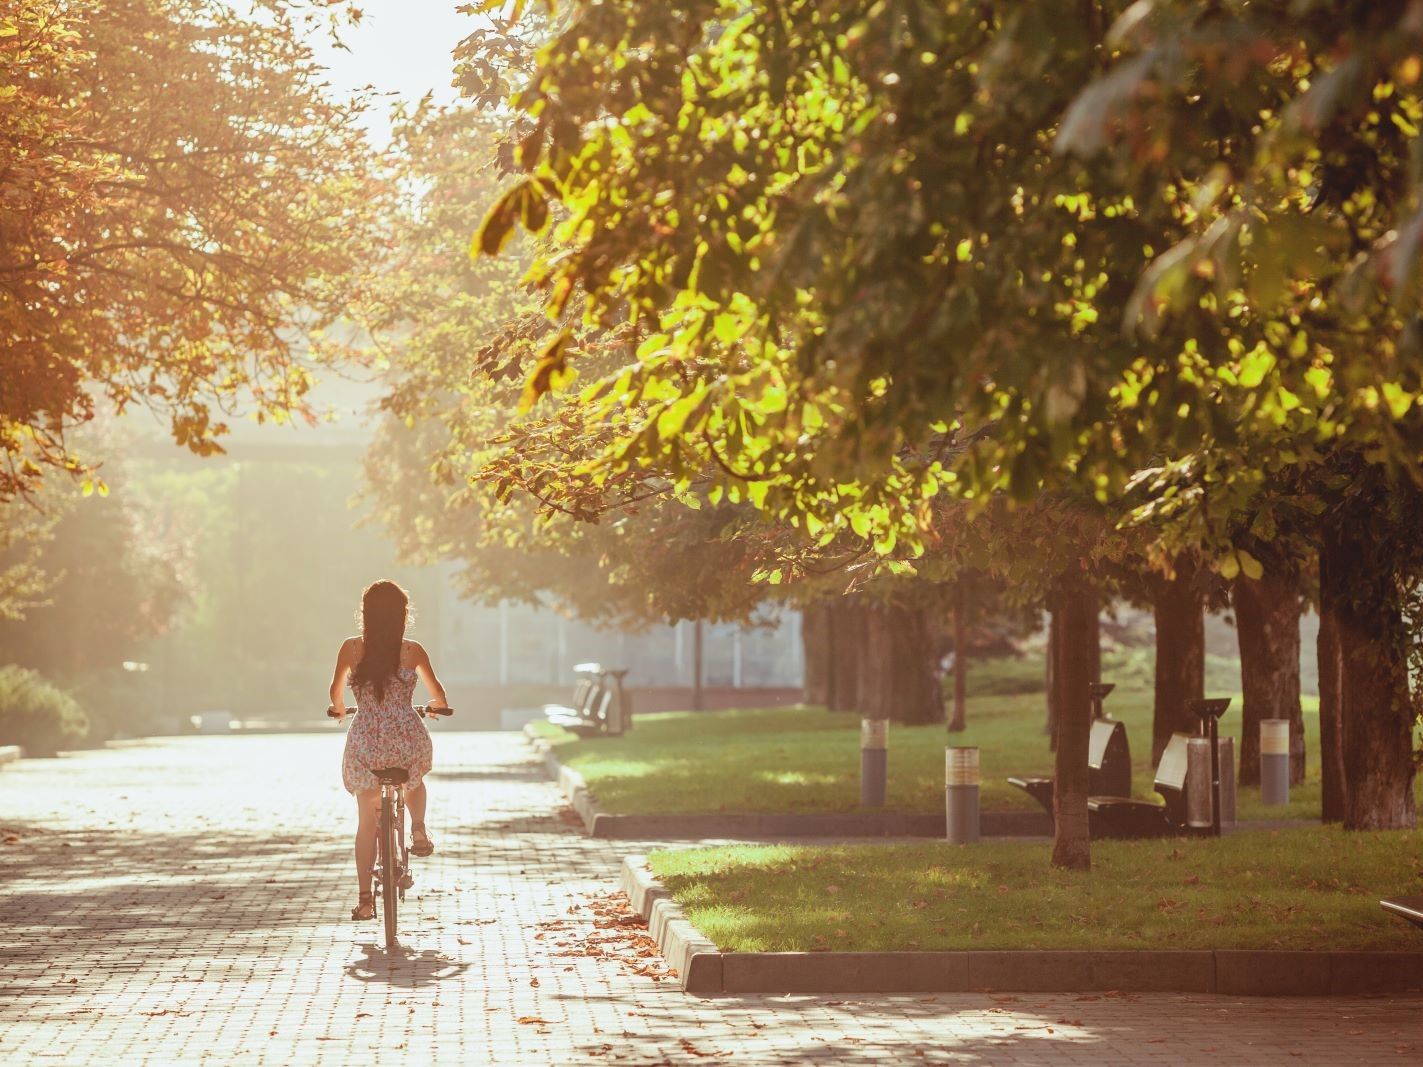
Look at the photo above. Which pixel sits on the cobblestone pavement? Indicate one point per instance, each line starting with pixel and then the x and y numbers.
pixel 185 900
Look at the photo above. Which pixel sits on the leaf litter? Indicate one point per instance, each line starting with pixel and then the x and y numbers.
pixel 607 928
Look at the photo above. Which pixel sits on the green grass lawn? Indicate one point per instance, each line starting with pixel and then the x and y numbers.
pixel 1314 888
pixel 807 759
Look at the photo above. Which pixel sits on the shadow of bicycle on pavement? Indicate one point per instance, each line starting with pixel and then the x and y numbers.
pixel 403 968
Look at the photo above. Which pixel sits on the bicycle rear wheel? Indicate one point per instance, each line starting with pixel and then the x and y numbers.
pixel 389 861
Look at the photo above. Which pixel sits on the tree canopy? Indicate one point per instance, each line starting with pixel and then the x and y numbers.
pixel 186 208
pixel 877 270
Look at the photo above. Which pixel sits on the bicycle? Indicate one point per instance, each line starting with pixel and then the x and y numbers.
pixel 394 877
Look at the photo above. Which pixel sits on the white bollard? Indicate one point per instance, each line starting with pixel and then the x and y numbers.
pixel 874 762
pixel 1274 761
pixel 961 779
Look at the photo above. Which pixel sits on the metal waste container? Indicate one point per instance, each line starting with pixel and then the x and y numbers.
pixel 1198 782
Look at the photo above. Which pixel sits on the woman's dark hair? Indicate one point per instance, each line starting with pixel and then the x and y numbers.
pixel 384 611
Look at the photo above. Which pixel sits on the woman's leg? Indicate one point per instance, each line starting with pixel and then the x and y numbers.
pixel 415 801
pixel 420 843
pixel 367 816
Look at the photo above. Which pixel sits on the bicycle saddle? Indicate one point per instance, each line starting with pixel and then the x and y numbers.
pixel 392 776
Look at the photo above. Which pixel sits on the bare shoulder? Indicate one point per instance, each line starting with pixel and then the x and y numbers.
pixel 351 650
pixel 413 653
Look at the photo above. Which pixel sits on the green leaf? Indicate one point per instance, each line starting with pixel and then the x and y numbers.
pixel 551 371
pixel 1249 565
pixel 496 229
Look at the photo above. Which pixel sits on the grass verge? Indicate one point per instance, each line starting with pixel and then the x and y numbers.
pixel 1314 888
pixel 807 759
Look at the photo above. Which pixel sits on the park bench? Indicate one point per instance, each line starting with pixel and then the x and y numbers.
pixel 1115 813
pixel 1122 816
pixel 600 704
pixel 1410 908
pixel 1108 766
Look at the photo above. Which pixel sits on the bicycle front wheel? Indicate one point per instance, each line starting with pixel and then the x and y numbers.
pixel 390 860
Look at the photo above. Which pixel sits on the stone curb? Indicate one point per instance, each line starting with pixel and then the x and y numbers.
pixel 773 825
pixel 570 783
pixel 695 959
pixel 9 754
pixel 1238 972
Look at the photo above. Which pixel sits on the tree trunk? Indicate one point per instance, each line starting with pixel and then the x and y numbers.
pixel 1054 640
pixel 1267 627
pixel 899 673
pixel 847 652
pixel 1331 722
pixel 1359 589
pixel 1180 655
pixel 1094 646
pixel 815 645
pixel 1077 603
pixel 698 693
pixel 959 719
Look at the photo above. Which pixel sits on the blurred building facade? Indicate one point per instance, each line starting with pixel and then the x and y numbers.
pixel 515 644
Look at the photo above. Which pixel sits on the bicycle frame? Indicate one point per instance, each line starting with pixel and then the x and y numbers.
pixel 391 872
pixel 394 794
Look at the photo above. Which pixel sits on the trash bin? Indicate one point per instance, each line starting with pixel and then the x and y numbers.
pixel 1198 782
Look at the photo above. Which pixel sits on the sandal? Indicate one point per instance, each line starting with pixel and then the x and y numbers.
pixel 420 843
pixel 364 910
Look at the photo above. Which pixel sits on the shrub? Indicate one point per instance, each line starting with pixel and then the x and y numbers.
pixel 119 704
pixel 37 715
pixel 1005 676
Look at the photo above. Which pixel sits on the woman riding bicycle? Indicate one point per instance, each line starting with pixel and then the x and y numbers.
pixel 382 667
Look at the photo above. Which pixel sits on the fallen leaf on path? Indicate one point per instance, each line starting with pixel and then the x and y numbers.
pixel 533 1020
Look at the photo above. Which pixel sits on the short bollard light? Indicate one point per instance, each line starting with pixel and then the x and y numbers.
pixel 1274 761
pixel 961 779
pixel 874 762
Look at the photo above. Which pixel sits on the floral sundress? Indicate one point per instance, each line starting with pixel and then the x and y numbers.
pixel 386 733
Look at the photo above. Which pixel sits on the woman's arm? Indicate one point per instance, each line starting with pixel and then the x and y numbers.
pixel 338 677
pixel 426 670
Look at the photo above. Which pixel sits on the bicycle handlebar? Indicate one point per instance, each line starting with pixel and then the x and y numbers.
pixel 420 709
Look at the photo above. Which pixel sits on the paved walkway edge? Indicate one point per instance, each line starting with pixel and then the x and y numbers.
pixel 768 824
pixel 1239 972
pixel 9 754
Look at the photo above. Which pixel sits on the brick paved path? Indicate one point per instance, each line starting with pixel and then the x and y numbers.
pixel 186 900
